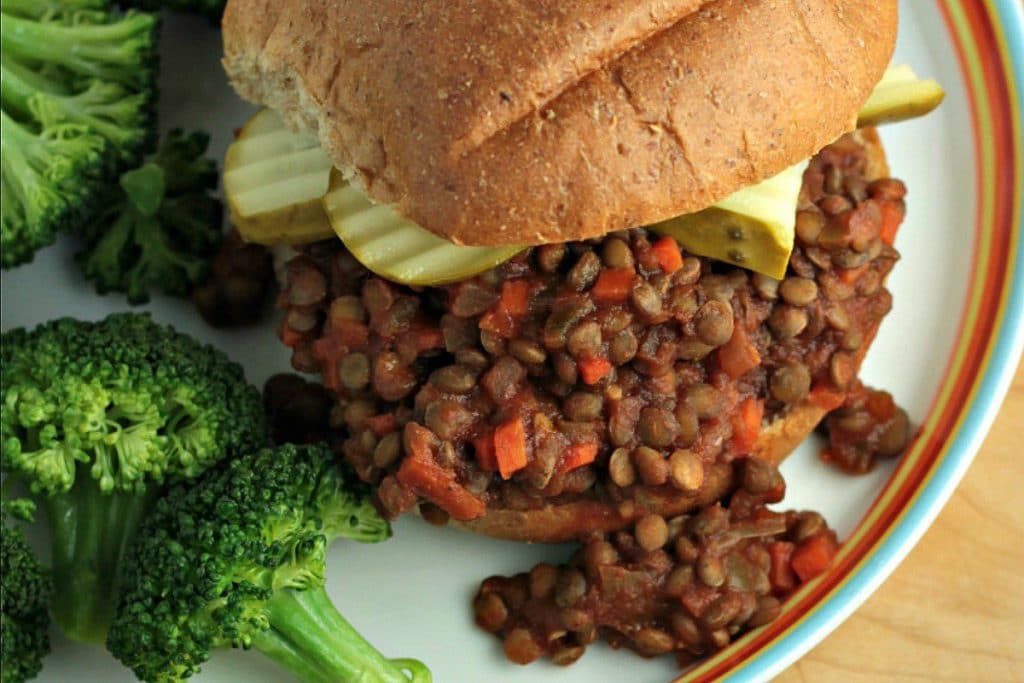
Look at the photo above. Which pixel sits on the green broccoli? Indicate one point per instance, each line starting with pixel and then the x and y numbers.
pixel 24 597
pixel 47 183
pixel 163 226
pixel 78 86
pixel 238 560
pixel 78 93
pixel 98 419
pixel 211 9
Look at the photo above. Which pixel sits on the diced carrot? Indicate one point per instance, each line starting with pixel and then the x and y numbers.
pixel 290 337
pixel 579 454
pixel 880 405
pixel 781 574
pixel 613 285
pixel 349 334
pixel 746 425
pixel 739 355
pixel 510 447
pixel 421 473
pixel 382 424
pixel 439 487
pixel 697 597
pixel 670 259
pixel 826 398
pixel 325 351
pixel 499 322
pixel 483 446
pixel 814 555
pixel 428 338
pixel 329 372
pixel 515 297
pixel 594 369
pixel 892 216
pixel 850 275
pixel 503 318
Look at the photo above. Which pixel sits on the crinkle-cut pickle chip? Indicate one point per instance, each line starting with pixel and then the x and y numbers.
pixel 274 179
pixel 396 248
pixel 900 95
pixel 752 228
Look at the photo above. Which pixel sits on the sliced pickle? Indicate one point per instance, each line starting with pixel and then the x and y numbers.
pixel 273 182
pixel 752 228
pixel 396 248
pixel 281 188
pixel 900 95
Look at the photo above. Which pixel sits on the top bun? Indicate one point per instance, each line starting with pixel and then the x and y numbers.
pixel 492 123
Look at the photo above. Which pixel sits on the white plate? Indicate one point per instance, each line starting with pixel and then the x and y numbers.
pixel 411 595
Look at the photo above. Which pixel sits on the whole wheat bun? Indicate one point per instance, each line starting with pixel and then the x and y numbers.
pixel 559 523
pixel 490 122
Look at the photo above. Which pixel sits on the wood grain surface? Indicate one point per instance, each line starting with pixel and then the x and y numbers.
pixel 954 609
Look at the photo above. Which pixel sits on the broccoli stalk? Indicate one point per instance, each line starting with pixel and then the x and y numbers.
pixel 90 531
pixel 24 595
pixel 97 419
pixel 309 637
pixel 160 231
pixel 238 560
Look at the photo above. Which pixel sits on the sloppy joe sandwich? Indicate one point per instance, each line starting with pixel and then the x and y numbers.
pixel 563 265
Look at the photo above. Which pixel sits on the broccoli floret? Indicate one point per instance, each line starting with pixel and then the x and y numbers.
pixel 238 560
pixel 47 182
pixel 159 232
pixel 78 93
pixel 24 598
pixel 97 419
pixel 211 9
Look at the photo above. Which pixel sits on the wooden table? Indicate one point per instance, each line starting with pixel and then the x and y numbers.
pixel 954 609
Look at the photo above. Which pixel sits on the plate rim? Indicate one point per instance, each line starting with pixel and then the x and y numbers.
pixel 821 606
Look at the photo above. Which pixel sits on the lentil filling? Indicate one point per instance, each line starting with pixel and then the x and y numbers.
pixel 601 369
pixel 687 585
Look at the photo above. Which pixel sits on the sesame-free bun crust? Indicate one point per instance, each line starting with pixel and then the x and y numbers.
pixel 557 523
pixel 490 122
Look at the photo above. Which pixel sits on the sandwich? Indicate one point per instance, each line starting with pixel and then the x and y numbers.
pixel 563 265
